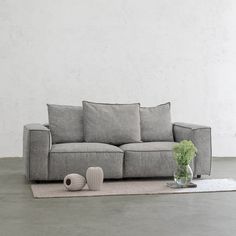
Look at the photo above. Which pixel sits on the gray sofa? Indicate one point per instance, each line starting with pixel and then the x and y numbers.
pixel 55 150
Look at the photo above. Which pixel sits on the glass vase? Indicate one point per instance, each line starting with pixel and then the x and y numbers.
pixel 183 175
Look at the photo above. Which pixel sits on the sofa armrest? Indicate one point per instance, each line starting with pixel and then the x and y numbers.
pixel 201 137
pixel 36 147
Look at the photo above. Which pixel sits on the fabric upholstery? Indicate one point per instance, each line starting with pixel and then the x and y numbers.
pixel 84 147
pixel 111 123
pixel 201 137
pixel 148 146
pixel 150 159
pixel 77 157
pixel 66 123
pixel 36 146
pixel 156 123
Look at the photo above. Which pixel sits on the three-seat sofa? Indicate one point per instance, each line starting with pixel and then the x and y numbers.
pixel 125 140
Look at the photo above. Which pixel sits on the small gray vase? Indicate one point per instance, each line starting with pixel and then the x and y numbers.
pixel 94 176
pixel 74 182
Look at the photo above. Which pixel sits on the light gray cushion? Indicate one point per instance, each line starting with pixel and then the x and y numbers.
pixel 77 157
pixel 156 123
pixel 111 123
pixel 84 147
pixel 65 123
pixel 150 159
pixel 148 146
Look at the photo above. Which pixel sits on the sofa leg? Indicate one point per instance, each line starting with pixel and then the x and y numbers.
pixel 199 176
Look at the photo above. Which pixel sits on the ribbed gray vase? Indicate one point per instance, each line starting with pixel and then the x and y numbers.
pixel 74 182
pixel 94 176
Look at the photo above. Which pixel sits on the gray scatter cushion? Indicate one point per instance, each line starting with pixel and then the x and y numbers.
pixel 156 123
pixel 66 123
pixel 111 123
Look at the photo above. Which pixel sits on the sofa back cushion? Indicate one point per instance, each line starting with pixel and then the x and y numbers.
pixel 65 123
pixel 156 123
pixel 111 123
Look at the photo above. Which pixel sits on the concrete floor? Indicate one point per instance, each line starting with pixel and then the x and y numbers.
pixel 203 214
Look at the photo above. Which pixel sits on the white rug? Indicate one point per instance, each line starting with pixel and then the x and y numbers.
pixel 133 187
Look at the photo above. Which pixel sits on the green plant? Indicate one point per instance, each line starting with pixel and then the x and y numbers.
pixel 184 152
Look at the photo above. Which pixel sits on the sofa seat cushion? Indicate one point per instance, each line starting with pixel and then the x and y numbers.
pixel 148 146
pixel 148 159
pixel 85 147
pixel 69 158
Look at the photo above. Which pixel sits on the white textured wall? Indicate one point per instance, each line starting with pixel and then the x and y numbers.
pixel 152 51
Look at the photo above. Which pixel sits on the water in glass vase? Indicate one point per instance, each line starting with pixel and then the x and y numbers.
pixel 183 175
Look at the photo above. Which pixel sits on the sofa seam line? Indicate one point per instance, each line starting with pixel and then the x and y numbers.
pixel 29 142
pixel 192 128
pixel 46 129
pixel 101 103
pixel 210 153
pixel 150 151
pixel 88 152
